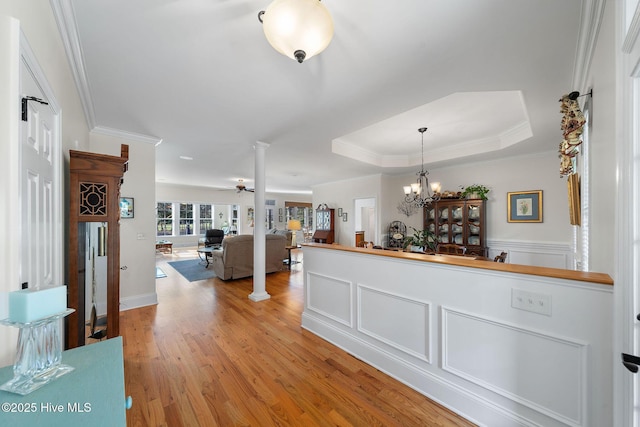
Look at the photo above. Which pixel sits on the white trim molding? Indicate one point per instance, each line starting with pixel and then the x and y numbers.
pixel 137 301
pixel 540 254
pixel 65 18
pixel 592 12
pixel 131 136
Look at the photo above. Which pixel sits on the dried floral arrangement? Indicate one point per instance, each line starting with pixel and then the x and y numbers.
pixel 572 124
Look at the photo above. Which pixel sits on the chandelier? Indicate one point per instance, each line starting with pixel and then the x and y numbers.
pixel 298 29
pixel 420 193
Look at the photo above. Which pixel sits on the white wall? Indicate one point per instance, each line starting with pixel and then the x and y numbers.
pixel 531 172
pixel 39 27
pixel 343 194
pixel 9 196
pixel 137 234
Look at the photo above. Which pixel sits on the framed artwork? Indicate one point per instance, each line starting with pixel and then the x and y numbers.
pixel 126 207
pixel 524 206
pixel 573 189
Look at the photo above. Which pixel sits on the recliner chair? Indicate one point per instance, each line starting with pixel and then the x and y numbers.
pixel 213 238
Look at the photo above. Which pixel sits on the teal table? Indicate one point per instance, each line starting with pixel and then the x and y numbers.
pixel 91 395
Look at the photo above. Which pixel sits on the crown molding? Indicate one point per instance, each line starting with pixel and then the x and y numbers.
pixel 131 136
pixel 65 18
pixel 512 136
pixel 632 32
pixel 590 20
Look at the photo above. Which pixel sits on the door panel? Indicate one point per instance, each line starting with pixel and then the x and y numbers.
pixel 39 159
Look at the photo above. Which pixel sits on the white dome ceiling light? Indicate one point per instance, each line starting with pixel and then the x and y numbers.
pixel 299 29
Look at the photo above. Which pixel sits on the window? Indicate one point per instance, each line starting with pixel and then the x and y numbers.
pixel 192 219
pixel 206 220
pixel 269 214
pixel 186 219
pixel 164 218
pixel 301 211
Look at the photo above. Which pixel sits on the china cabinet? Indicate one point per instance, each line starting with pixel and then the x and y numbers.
pixel 460 222
pixel 325 224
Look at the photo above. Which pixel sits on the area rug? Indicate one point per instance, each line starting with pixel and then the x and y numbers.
pixel 193 269
pixel 159 273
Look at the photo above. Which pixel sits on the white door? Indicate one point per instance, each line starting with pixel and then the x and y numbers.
pixel 40 193
pixel 365 219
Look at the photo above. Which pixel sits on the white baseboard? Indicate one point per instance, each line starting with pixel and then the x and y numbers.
pixel 138 301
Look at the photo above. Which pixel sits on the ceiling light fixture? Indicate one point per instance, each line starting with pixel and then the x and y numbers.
pixel 420 193
pixel 298 29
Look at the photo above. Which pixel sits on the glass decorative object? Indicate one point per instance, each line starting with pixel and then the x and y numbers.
pixel 39 354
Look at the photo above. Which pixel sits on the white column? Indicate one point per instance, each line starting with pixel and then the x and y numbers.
pixel 259 231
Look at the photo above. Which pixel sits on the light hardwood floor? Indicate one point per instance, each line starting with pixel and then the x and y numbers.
pixel 206 355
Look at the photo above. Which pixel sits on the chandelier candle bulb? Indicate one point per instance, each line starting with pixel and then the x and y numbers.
pixel 28 305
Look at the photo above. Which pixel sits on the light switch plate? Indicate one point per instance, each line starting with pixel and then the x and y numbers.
pixel 531 301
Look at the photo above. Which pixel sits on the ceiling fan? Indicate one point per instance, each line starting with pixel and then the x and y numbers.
pixel 241 187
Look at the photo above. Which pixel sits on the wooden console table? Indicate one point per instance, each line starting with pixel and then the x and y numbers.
pixel 91 395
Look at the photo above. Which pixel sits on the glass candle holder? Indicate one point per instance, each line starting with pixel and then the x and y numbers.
pixel 39 354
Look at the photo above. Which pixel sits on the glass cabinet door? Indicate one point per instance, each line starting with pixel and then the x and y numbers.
pixel 473 224
pixel 457 223
pixel 430 218
pixel 444 214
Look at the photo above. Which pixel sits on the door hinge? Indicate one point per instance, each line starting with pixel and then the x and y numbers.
pixel 24 105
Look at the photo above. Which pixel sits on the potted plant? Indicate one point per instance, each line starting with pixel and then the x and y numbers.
pixel 425 240
pixel 475 191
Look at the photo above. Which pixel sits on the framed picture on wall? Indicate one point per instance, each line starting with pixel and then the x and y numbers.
pixel 126 207
pixel 524 206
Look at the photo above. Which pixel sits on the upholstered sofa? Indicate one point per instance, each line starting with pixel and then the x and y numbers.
pixel 286 233
pixel 235 260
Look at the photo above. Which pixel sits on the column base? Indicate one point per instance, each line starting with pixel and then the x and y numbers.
pixel 259 297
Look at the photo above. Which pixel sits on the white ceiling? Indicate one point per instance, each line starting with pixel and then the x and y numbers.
pixel 484 76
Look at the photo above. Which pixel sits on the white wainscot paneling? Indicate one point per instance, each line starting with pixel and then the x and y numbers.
pixel 541 371
pixel 540 254
pixel 330 297
pixel 385 316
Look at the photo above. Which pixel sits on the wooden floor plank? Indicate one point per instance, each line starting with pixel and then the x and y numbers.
pixel 206 355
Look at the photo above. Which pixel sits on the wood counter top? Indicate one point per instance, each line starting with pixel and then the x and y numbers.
pixel 582 276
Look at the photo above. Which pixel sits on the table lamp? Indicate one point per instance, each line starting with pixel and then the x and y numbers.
pixel 294 225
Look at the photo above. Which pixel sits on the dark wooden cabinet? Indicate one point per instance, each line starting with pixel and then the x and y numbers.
pixel 94 198
pixel 460 222
pixel 325 225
